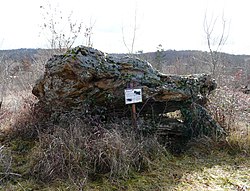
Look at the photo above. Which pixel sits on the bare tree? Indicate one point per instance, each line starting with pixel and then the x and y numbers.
pixel 130 48
pixel 214 42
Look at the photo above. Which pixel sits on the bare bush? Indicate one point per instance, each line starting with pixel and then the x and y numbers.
pixel 229 107
pixel 61 33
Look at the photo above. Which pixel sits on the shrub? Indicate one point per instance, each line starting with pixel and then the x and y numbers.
pixel 229 106
pixel 231 109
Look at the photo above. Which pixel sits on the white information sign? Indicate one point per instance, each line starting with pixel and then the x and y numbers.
pixel 133 96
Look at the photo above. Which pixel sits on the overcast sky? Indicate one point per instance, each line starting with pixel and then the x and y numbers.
pixel 176 24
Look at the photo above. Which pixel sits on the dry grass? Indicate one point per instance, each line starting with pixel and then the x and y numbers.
pixel 88 151
pixel 5 163
pixel 86 154
pixel 198 169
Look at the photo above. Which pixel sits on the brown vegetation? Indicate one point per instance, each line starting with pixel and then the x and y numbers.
pixel 84 151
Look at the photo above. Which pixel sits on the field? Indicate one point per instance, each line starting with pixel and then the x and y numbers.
pixel 38 154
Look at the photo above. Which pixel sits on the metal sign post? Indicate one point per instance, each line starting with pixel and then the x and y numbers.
pixel 132 96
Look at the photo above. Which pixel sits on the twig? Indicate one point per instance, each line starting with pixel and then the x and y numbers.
pixel 10 173
pixel 21 186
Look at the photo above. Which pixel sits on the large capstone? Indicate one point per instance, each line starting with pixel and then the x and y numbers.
pixel 85 78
